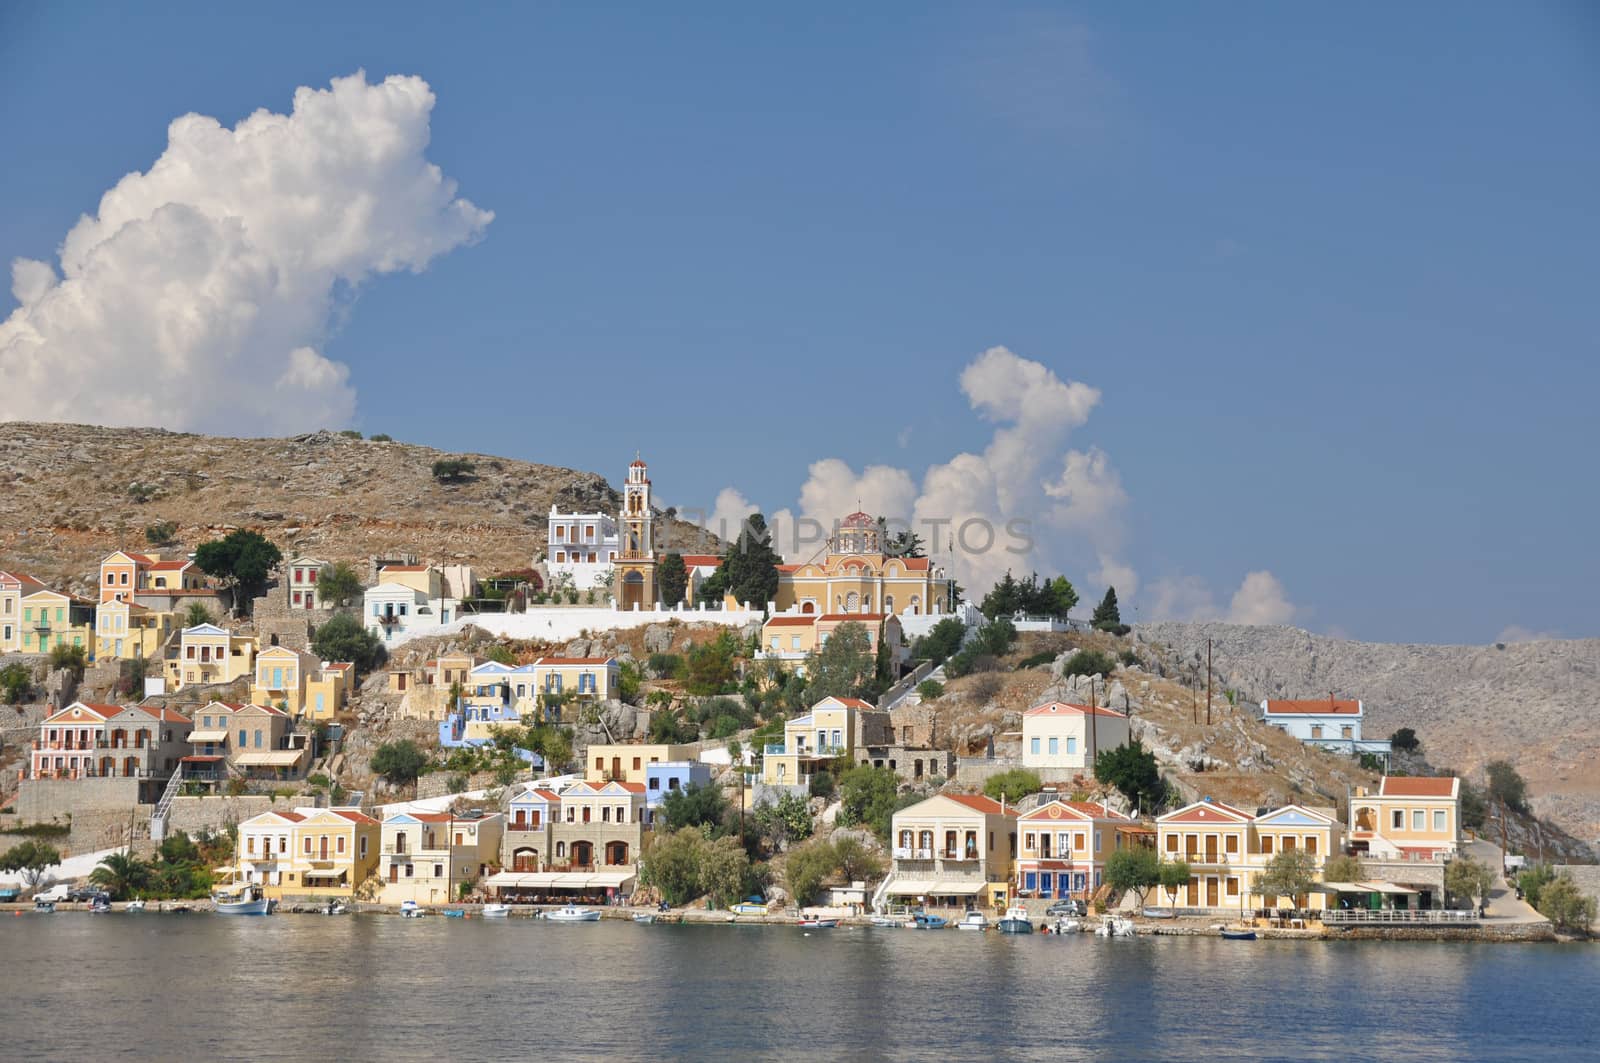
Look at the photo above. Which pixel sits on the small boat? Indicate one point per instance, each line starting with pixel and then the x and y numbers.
pixel 1064 925
pixel 973 920
pixel 644 918
pixel 1016 921
pixel 496 911
pixel 1238 934
pixel 134 906
pixel 887 921
pixel 334 908
pixel 1114 926
pixel 924 921
pixel 44 907
pixel 246 900
pixel 749 908
pixel 819 924
pixel 455 913
pixel 100 903
pixel 1159 913
pixel 412 910
pixel 571 913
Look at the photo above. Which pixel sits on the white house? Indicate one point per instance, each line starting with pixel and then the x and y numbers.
pixel 300 578
pixel 1331 723
pixel 395 611
pixel 581 547
pixel 1065 736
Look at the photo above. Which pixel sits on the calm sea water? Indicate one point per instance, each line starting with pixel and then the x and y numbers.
pixel 76 986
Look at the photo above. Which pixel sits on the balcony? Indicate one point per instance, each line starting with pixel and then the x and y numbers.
pixel 914 854
pixel 775 749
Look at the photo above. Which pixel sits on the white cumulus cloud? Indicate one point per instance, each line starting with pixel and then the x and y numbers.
pixel 199 294
pixel 1259 599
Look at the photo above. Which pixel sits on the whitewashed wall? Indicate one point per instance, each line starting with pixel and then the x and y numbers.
pixel 560 623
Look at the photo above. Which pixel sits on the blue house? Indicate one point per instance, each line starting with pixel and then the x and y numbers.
pixel 663 777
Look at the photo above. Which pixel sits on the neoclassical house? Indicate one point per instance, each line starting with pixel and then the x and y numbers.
pixel 857 576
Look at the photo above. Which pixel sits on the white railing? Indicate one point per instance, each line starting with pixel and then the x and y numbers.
pixel 1400 917
pixel 158 818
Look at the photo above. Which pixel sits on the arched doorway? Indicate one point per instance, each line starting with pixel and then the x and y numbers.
pixel 616 853
pixel 808 606
pixel 525 859
pixel 108 766
pixel 582 854
pixel 633 591
pixel 130 766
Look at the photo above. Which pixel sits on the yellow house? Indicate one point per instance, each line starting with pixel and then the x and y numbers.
pixel 812 741
pixel 427 856
pixel 629 762
pixel 590 678
pixel 952 851
pixel 323 852
pixel 424 578
pixel 858 576
pixel 126 630
pixel 51 619
pixel 1065 845
pixel 13 585
pixel 210 654
pixel 1214 840
pixel 789 638
pixel 1408 818
pixel 300 683
pixel 1313 831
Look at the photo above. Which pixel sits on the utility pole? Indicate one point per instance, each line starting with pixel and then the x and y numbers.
pixel 1208 682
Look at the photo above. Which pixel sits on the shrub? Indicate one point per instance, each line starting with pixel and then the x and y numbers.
pixel 350 433
pixel 664 665
pixel 1013 785
pixel 1507 786
pixel 452 470
pixel 1131 660
pixel 1405 741
pixel 382 437
pixel 338 583
pixel 942 641
pixel 141 493
pixel 1089 662
pixel 987 686
pixel 1035 660
pixel 16 683
pixel 68 658
pixel 399 762
pixel 805 870
pixel 822 784
pixel 1565 905
pixel 196 615
pixel 162 533
pixel 868 796
pixel 930 690
pixel 342 638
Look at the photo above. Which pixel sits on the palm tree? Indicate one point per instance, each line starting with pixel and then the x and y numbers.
pixel 120 874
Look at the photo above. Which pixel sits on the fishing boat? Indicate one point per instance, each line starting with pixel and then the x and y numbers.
pixel 749 908
pixel 134 906
pixel 887 921
pixel 1114 926
pixel 1016 921
pixel 245 900
pixel 973 920
pixel 571 913
pixel 44 907
pixel 334 908
pixel 924 921
pixel 496 911
pixel 412 910
pixel 100 903
pixel 819 924
pixel 644 918
pixel 1065 925
pixel 1159 913
pixel 1238 934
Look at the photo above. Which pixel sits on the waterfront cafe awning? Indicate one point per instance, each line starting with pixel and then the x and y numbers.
pixel 270 758
pixel 558 880
pixel 329 873
pixel 1365 887
pixel 956 889
pixel 911 888
pixel 208 736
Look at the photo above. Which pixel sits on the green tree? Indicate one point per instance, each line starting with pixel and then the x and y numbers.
pixel 1089 662
pixel 196 614
pixel 1405 741
pixel 1133 770
pixel 630 678
pixel 121 875
pixel 844 667
pixel 162 533
pixel 784 821
pixel 1173 875
pixel 695 806
pixel 242 560
pixel 749 570
pixel 856 862
pixel 400 762
pixel 712 668
pixel 16 683
pixel 930 690
pixel 1342 868
pixel 1013 785
pixel 69 658
pixel 1467 879
pixel 31 858
pixel 1137 869
pixel 941 641
pixel 806 868
pixel 868 796
pixel 339 583
pixel 905 543
pixel 501 654
pixel 1532 882
pixel 1565 905
pixel 453 470
pixel 342 638
pixel 1506 785
pixel 1064 596
pixel 1289 873
pixel 1107 615
pixel 724 868
pixel 557 750
pixel 668 728
pixel 1474 809
pixel 672 578
pixel 671 864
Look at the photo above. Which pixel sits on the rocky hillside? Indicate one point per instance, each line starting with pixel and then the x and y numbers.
pixel 1536 704
pixel 69 494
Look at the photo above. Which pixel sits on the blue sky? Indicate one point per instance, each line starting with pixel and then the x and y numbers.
pixel 1332 272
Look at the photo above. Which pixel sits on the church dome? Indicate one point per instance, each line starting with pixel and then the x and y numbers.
pixel 858 520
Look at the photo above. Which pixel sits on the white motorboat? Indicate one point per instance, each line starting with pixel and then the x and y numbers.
pixel 644 918
pixel 1114 926
pixel 134 906
pixel 895 921
pixel 1065 925
pixel 571 913
pixel 245 900
pixel 412 910
pixel 334 908
pixel 973 920
pixel 496 911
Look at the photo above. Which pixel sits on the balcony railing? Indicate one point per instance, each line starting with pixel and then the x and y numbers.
pixel 775 749
pixel 1400 917
pixel 913 854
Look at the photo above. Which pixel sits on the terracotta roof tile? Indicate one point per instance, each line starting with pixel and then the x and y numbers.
pixel 1417 786
pixel 1052 708
pixel 1321 707
pixel 979 803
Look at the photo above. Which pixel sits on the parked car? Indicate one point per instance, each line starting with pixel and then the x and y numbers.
pixel 84 894
pixel 58 892
pixel 1067 907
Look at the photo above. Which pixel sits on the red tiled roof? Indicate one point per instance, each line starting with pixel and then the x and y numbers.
pixel 20 578
pixel 914 564
pixel 979 803
pixel 792 621
pixel 701 560
pixel 404 568
pixel 353 816
pixel 168 566
pixel 1415 786
pixel 789 568
pixel 1322 707
pixel 430 817
pixel 859 617
pixel 1050 708
pixel 1206 812
pixel 548 795
pixel 573 660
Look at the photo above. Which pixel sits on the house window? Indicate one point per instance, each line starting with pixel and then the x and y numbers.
pixel 1233 887
pixel 1347 731
pixel 1316 730
pixel 1072 745
pixel 438 871
pixel 339 845
pixel 1311 844
pixel 1053 746
pixel 1438 820
pixel 1266 845
pixel 1399 820
pixel 1033 747
pixel 308 845
pixel 1028 842
pixel 1230 844
pixel 1172 843
pixel 794 642
pixel 1419 820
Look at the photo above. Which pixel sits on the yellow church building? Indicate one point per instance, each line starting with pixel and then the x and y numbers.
pixel 858 576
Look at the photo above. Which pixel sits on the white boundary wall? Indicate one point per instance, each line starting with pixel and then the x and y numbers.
pixel 561 623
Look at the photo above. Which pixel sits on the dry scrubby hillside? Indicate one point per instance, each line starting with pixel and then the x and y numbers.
pixel 65 498
pixel 1536 704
